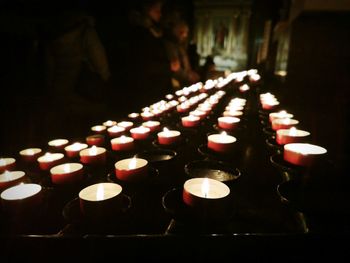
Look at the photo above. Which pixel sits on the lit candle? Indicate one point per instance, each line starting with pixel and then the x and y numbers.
pixel 228 122
pixel 280 115
pixel 58 144
pixel 132 169
pixel 109 123
pixel 30 154
pixel 122 143
pixel 72 151
pixel 134 115
pixel 21 199
pixel 283 123
pixel 140 133
pixel 99 200
pixel 67 173
pixel 7 164
pixel 11 178
pixel 232 113
pixel 222 142
pixel 190 121
pixel 146 115
pixel 234 108
pixel 115 131
pixel 167 136
pixel 99 128
pixel 183 107
pixel 96 139
pixel 292 135
pixel 125 124
pixel 152 125
pixel 199 192
pixel 302 154
pixel 93 155
pixel 48 160
pixel 198 113
pixel 244 88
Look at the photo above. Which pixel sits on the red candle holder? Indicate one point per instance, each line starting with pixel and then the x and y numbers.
pixel 96 139
pixel 30 155
pixel 292 135
pixel 132 169
pixel 11 178
pixel 228 123
pixel 152 125
pixel 115 131
pixel 7 164
pixel 49 160
pixel 283 123
pixel 221 143
pixel 140 133
pixel 72 151
pixel 94 155
pixel 167 137
pixel 302 154
pixel 190 121
pixel 67 173
pixel 122 143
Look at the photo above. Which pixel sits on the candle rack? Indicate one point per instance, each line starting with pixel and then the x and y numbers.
pixel 217 170
pixel 273 146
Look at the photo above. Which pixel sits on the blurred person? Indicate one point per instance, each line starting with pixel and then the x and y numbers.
pixel 176 42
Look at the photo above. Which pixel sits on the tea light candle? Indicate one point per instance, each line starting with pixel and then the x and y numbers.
pixel 7 164
pixel 93 155
pixel 228 122
pixel 222 142
pixel 21 199
pixel 292 135
pixel 198 113
pixel 96 139
pixel 232 113
pixel 302 154
pixel 99 128
pixel 134 115
pixel 132 169
pixel 115 131
pixel 234 108
pixel 125 124
pixel 190 121
pixel 244 88
pixel 183 107
pixel 109 123
pixel 167 136
pixel 204 191
pixel 67 173
pixel 283 123
pixel 152 125
pixel 30 154
pixel 140 133
pixel 11 178
pixel 100 199
pixel 48 160
pixel 146 115
pixel 280 115
pixel 72 151
pixel 122 143
pixel 58 144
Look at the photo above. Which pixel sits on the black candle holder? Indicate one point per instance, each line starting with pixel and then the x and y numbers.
pixel 194 219
pixel 219 156
pixel 274 147
pixel 269 132
pixel 157 155
pixel 173 146
pixel 217 170
pixel 152 175
pixel 113 221
pixel 289 171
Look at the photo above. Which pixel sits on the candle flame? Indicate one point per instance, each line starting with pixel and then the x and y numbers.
pixel 132 163
pixel 123 139
pixel 205 187
pixel 224 133
pixel 100 192
pixel 7 175
pixel 93 150
pixel 166 131
pixel 282 112
pixel 293 131
pixel 66 168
